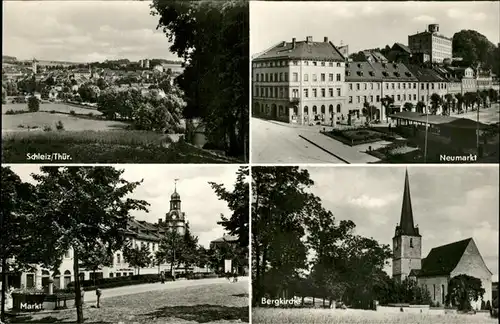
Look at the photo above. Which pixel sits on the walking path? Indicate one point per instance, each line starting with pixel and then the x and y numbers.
pixel 90 296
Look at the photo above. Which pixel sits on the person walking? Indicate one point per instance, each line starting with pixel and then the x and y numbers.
pixel 162 277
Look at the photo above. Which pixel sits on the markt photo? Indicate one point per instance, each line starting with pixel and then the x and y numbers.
pixel 360 82
pixel 126 244
pixel 125 82
pixel 375 245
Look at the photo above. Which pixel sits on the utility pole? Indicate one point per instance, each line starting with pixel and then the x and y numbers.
pixel 426 130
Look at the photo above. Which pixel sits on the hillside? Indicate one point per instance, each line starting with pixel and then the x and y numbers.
pixel 475 48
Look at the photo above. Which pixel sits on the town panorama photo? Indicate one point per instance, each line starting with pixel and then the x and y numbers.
pixel 125 81
pixel 366 82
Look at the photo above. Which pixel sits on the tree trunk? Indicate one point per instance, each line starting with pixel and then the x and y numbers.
pixel 78 293
pixel 4 287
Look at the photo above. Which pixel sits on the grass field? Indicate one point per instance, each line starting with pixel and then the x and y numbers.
pixel 350 316
pixel 214 303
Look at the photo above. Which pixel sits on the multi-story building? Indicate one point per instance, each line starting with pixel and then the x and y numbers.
pixel 431 44
pixel 138 233
pixel 371 82
pixel 429 82
pixel 299 82
pixel 484 79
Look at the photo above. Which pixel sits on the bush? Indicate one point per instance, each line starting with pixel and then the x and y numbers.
pixel 33 104
pixel 487 306
pixel 59 125
pixel 72 112
pixel 47 128
pixel 483 305
pixel 52 111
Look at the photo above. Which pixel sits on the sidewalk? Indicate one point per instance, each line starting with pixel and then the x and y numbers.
pixel 347 153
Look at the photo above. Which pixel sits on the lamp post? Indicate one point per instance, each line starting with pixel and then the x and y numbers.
pixel 426 130
pixel 477 131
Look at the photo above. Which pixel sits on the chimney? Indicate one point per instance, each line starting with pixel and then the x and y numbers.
pixel 293 42
pixel 326 39
pixel 309 39
pixel 160 221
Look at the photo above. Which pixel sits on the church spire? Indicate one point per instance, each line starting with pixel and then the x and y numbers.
pixel 406 225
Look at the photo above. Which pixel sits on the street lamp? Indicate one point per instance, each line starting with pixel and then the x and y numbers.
pixel 426 130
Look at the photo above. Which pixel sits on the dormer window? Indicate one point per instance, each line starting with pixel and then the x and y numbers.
pixel 359 65
pixel 385 73
pixel 372 73
pixel 408 74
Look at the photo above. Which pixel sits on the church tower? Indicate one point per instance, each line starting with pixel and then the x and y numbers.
pixel 407 242
pixel 175 218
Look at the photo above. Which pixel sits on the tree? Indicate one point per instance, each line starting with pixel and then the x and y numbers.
pixel 449 99
pixel 420 107
pixel 16 197
pixel 462 289
pixel 435 102
pixel 96 258
pixel 89 92
pixel 387 102
pixel 408 106
pixel 493 95
pixel 278 209
pixel 237 200
pixel 33 104
pixel 79 206
pixel 460 100
pixel 102 84
pixel 369 111
pixel 474 48
pixel 212 38
pixel 137 256
pixel 108 102
pixel 170 247
pixel 4 96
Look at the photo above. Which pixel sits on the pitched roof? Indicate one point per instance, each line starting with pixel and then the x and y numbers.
pixel 449 121
pixel 226 238
pixel 377 71
pixel 443 259
pixel 303 50
pixel 425 74
pixel 414 273
pixel 403 47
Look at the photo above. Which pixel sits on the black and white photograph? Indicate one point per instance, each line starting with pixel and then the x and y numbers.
pixel 143 244
pixel 377 245
pixel 375 82
pixel 125 81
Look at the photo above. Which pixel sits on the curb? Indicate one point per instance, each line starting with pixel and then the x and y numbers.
pixel 325 150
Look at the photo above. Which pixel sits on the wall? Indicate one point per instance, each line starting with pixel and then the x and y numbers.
pixel 472 264
pixel 438 282
pixel 407 256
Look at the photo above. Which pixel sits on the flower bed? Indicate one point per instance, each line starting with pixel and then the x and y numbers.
pixel 397 152
pixel 358 136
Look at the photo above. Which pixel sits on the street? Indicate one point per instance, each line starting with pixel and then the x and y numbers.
pixel 275 142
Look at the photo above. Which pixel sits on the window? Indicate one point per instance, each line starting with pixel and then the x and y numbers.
pixel 323 77
pixel 118 258
pixel 286 76
pixel 399 97
pixel 271 77
pixel 432 85
pixel 404 97
pixel 338 92
pixel 404 85
pixel 323 92
pixel 330 64
pixel 371 86
pixel 434 286
pixel 306 77
pixel 281 76
pixel 295 77
pixel 330 77
pixel 306 62
pixel 338 108
pixel 295 62
pixel 267 77
pixel 315 63
pixel 315 93
pixel 350 99
pixel 257 77
pixel 315 77
pixel 330 91
pixel 350 86
pixel 392 85
pixel 66 255
pixel 378 98
pixel 414 86
pixel 306 93
pixel 339 64
pixel 387 86
pixel 358 99
pixel 371 98
pixel 357 86
pixel 338 77
pixel 399 85
pixel 414 97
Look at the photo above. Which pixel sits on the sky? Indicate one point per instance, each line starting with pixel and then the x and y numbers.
pixel 365 25
pixel 449 203
pixel 82 31
pixel 198 199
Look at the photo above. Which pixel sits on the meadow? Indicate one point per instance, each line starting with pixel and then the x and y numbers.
pixel 354 316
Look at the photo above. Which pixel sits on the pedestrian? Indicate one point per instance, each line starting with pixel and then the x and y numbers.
pixel 162 277
pixel 98 294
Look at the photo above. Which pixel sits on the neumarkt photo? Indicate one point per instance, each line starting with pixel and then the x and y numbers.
pixel 403 82
pixel 126 81
pixel 375 245
pixel 125 244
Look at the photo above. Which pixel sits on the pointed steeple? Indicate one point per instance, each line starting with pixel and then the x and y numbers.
pixel 406 225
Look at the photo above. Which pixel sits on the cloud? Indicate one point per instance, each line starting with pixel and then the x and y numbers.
pixel 365 201
pixel 89 30
pixel 424 18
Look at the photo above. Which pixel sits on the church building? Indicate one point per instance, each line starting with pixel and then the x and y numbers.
pixel 441 264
